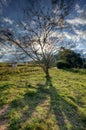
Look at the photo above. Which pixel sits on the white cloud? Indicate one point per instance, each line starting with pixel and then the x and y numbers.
pixel 80 33
pixel 7 20
pixel 80 18
pixel 71 37
pixel 78 9
pixel 76 21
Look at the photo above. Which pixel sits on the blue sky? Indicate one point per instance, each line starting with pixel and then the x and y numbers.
pixel 11 12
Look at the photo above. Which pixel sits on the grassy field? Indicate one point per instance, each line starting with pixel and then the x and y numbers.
pixel 30 102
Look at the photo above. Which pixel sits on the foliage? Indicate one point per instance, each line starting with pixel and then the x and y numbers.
pixel 85 64
pixel 62 64
pixel 69 59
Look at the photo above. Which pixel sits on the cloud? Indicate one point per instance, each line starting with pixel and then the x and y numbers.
pixel 76 21
pixel 78 9
pixel 7 20
pixel 80 33
pixel 80 16
pixel 72 37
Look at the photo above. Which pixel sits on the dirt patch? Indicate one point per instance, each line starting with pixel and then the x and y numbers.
pixel 3 120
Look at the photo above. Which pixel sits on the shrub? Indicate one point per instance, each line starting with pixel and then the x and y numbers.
pixel 69 59
pixel 62 64
pixel 85 65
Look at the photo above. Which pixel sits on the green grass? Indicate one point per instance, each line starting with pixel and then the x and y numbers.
pixel 30 102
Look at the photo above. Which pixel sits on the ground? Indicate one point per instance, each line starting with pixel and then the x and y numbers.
pixel 29 101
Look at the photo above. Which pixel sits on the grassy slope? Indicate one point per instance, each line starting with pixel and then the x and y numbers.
pixel 29 102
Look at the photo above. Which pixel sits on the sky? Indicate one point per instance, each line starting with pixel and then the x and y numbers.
pixel 11 11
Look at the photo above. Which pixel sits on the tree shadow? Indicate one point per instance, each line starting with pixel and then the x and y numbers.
pixel 66 112
pixel 31 99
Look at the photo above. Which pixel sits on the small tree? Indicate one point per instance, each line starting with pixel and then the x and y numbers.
pixel 42 33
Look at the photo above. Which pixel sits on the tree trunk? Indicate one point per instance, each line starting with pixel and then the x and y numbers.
pixel 46 70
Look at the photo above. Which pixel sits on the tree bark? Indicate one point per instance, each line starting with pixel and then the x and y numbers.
pixel 46 70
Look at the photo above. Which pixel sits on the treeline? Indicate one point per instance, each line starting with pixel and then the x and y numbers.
pixel 67 58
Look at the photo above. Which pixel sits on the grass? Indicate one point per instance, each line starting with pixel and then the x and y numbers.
pixel 28 101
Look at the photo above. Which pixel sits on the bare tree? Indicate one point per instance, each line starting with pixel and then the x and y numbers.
pixel 41 33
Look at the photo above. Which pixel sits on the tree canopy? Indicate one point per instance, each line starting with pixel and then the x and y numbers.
pixel 69 59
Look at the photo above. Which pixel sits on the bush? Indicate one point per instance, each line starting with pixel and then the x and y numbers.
pixel 62 64
pixel 85 65
pixel 69 59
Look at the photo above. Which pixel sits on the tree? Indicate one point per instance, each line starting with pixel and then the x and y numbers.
pixel 69 59
pixel 42 32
